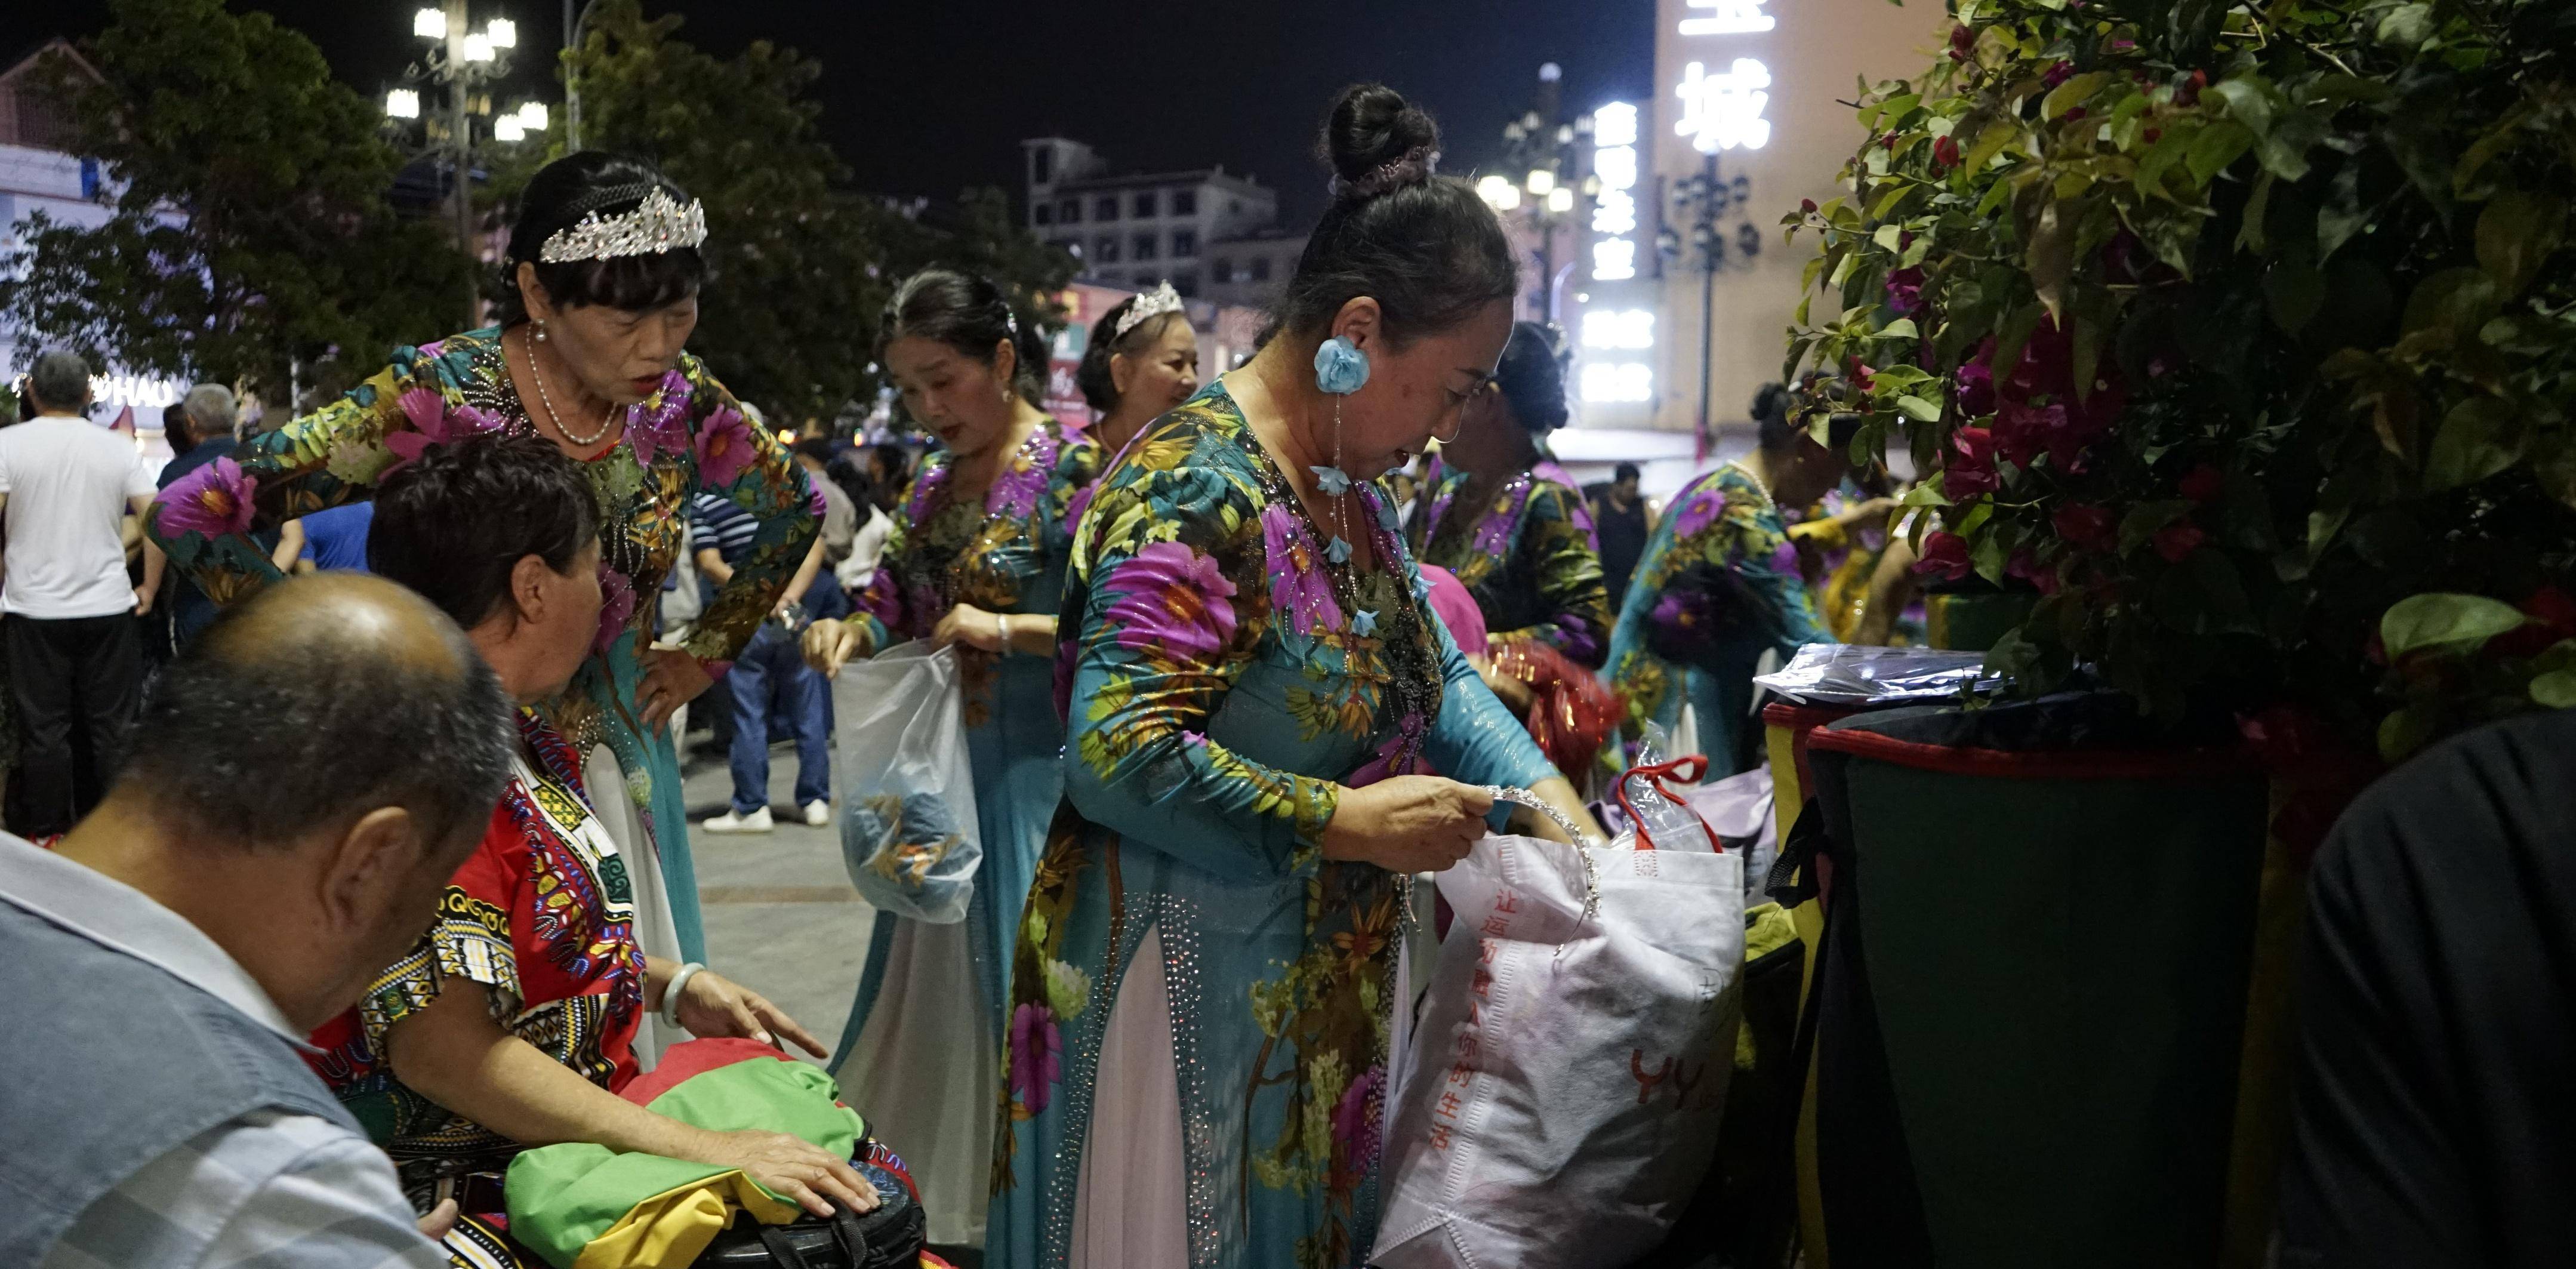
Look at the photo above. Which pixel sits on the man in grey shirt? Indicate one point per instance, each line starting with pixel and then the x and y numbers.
pixel 305 780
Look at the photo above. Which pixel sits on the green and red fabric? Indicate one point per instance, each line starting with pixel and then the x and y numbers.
pixel 583 1206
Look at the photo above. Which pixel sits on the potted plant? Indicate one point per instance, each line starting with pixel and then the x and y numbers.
pixel 2246 338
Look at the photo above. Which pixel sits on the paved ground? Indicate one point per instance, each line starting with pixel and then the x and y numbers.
pixel 780 914
pixel 781 917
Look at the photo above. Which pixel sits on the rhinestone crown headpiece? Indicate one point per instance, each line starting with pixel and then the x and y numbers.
pixel 1148 306
pixel 656 225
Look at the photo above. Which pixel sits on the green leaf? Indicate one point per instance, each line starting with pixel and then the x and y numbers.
pixel 2478 438
pixel 1887 202
pixel 1901 328
pixel 2068 95
pixel 2146 518
pixel 2167 151
pixel 2404 732
pixel 2407 26
pixel 1990 143
pixel 2249 101
pixel 1888 236
pixel 2555 690
pixel 2284 149
pixel 2517 232
pixel 2295 290
pixel 2460 299
pixel 2217 146
pixel 1918 409
pixel 2444 621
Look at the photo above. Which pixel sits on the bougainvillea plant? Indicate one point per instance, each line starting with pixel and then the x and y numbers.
pixel 2245 337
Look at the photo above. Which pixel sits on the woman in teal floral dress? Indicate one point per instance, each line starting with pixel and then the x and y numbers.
pixel 1719 585
pixel 1201 1004
pixel 977 560
pixel 605 273
pixel 1510 522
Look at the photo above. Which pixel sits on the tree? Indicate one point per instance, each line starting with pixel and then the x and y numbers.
pixel 799 265
pixel 250 236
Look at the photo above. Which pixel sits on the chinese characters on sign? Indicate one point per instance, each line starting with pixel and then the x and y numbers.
pixel 1723 112
pixel 1616 167
pixel 1731 17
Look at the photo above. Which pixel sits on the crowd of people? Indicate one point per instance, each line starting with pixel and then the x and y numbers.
pixel 386 879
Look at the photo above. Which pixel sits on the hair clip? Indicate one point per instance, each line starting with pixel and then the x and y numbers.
pixel 1418 164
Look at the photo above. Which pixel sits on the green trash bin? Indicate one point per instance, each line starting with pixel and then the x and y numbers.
pixel 2031 995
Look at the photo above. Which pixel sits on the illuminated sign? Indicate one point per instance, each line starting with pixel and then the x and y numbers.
pixel 1730 17
pixel 1624 382
pixel 1616 168
pixel 1619 328
pixel 1723 112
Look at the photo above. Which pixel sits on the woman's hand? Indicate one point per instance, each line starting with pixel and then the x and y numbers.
pixel 830 644
pixel 790 1167
pixel 972 626
pixel 1407 823
pixel 713 1006
pixel 672 678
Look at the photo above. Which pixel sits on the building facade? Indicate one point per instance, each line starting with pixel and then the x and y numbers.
pixel 1211 233
pixel 38 173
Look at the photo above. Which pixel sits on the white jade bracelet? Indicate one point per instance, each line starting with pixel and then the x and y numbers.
pixel 671 991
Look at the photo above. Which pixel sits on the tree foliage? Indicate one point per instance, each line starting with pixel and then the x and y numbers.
pixel 2246 336
pixel 799 264
pixel 249 232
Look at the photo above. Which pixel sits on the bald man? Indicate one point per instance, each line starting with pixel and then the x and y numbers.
pixel 307 776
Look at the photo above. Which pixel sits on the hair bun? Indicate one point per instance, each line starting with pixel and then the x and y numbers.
pixel 1771 403
pixel 1372 139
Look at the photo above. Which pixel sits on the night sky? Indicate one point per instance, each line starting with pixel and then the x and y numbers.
pixel 932 96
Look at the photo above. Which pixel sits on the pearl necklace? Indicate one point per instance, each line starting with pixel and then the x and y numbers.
pixel 607 419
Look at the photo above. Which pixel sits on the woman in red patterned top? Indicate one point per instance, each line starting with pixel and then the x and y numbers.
pixel 501 534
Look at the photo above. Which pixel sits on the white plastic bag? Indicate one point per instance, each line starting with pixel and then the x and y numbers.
pixel 908 829
pixel 1560 1095
pixel 1738 808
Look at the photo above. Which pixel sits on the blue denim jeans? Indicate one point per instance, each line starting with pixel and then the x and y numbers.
pixel 772 670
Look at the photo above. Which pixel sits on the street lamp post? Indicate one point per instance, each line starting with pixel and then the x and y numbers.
pixel 1701 201
pixel 465 62
pixel 1546 148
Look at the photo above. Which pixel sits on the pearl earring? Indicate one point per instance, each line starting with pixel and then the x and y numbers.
pixel 541 332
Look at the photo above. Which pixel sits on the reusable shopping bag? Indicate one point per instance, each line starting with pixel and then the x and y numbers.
pixel 1561 1092
pixel 908 830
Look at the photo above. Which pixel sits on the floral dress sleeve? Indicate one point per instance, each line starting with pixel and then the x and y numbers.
pixel 204 520
pixel 1731 574
pixel 1566 564
pixel 881 603
pixel 1168 589
pixel 1475 739
pixel 746 465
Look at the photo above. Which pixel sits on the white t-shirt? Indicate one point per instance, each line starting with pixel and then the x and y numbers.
pixel 69 483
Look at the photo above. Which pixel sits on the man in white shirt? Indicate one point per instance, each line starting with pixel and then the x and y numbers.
pixel 75 657
pixel 308 776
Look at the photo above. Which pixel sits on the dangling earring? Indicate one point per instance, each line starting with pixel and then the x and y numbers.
pixel 541 330
pixel 1340 370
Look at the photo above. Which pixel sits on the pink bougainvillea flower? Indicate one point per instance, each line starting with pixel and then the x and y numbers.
pixel 1945 154
pixel 1905 289
pixel 1968 469
pixel 2203 484
pixel 1298 585
pixel 1976 384
pixel 616 607
pixel 2178 540
pixel 1172 599
pixel 1944 555
pixel 2025 564
pixel 434 421
pixel 1037 1049
pixel 214 500
pixel 2085 526
pixel 726 448
pixel 2057 73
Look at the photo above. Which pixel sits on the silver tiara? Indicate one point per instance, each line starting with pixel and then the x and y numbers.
pixel 657 224
pixel 1148 306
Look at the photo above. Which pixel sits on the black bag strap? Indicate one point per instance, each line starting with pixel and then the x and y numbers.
pixel 1793 871
pixel 852 1236
pixel 782 1249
